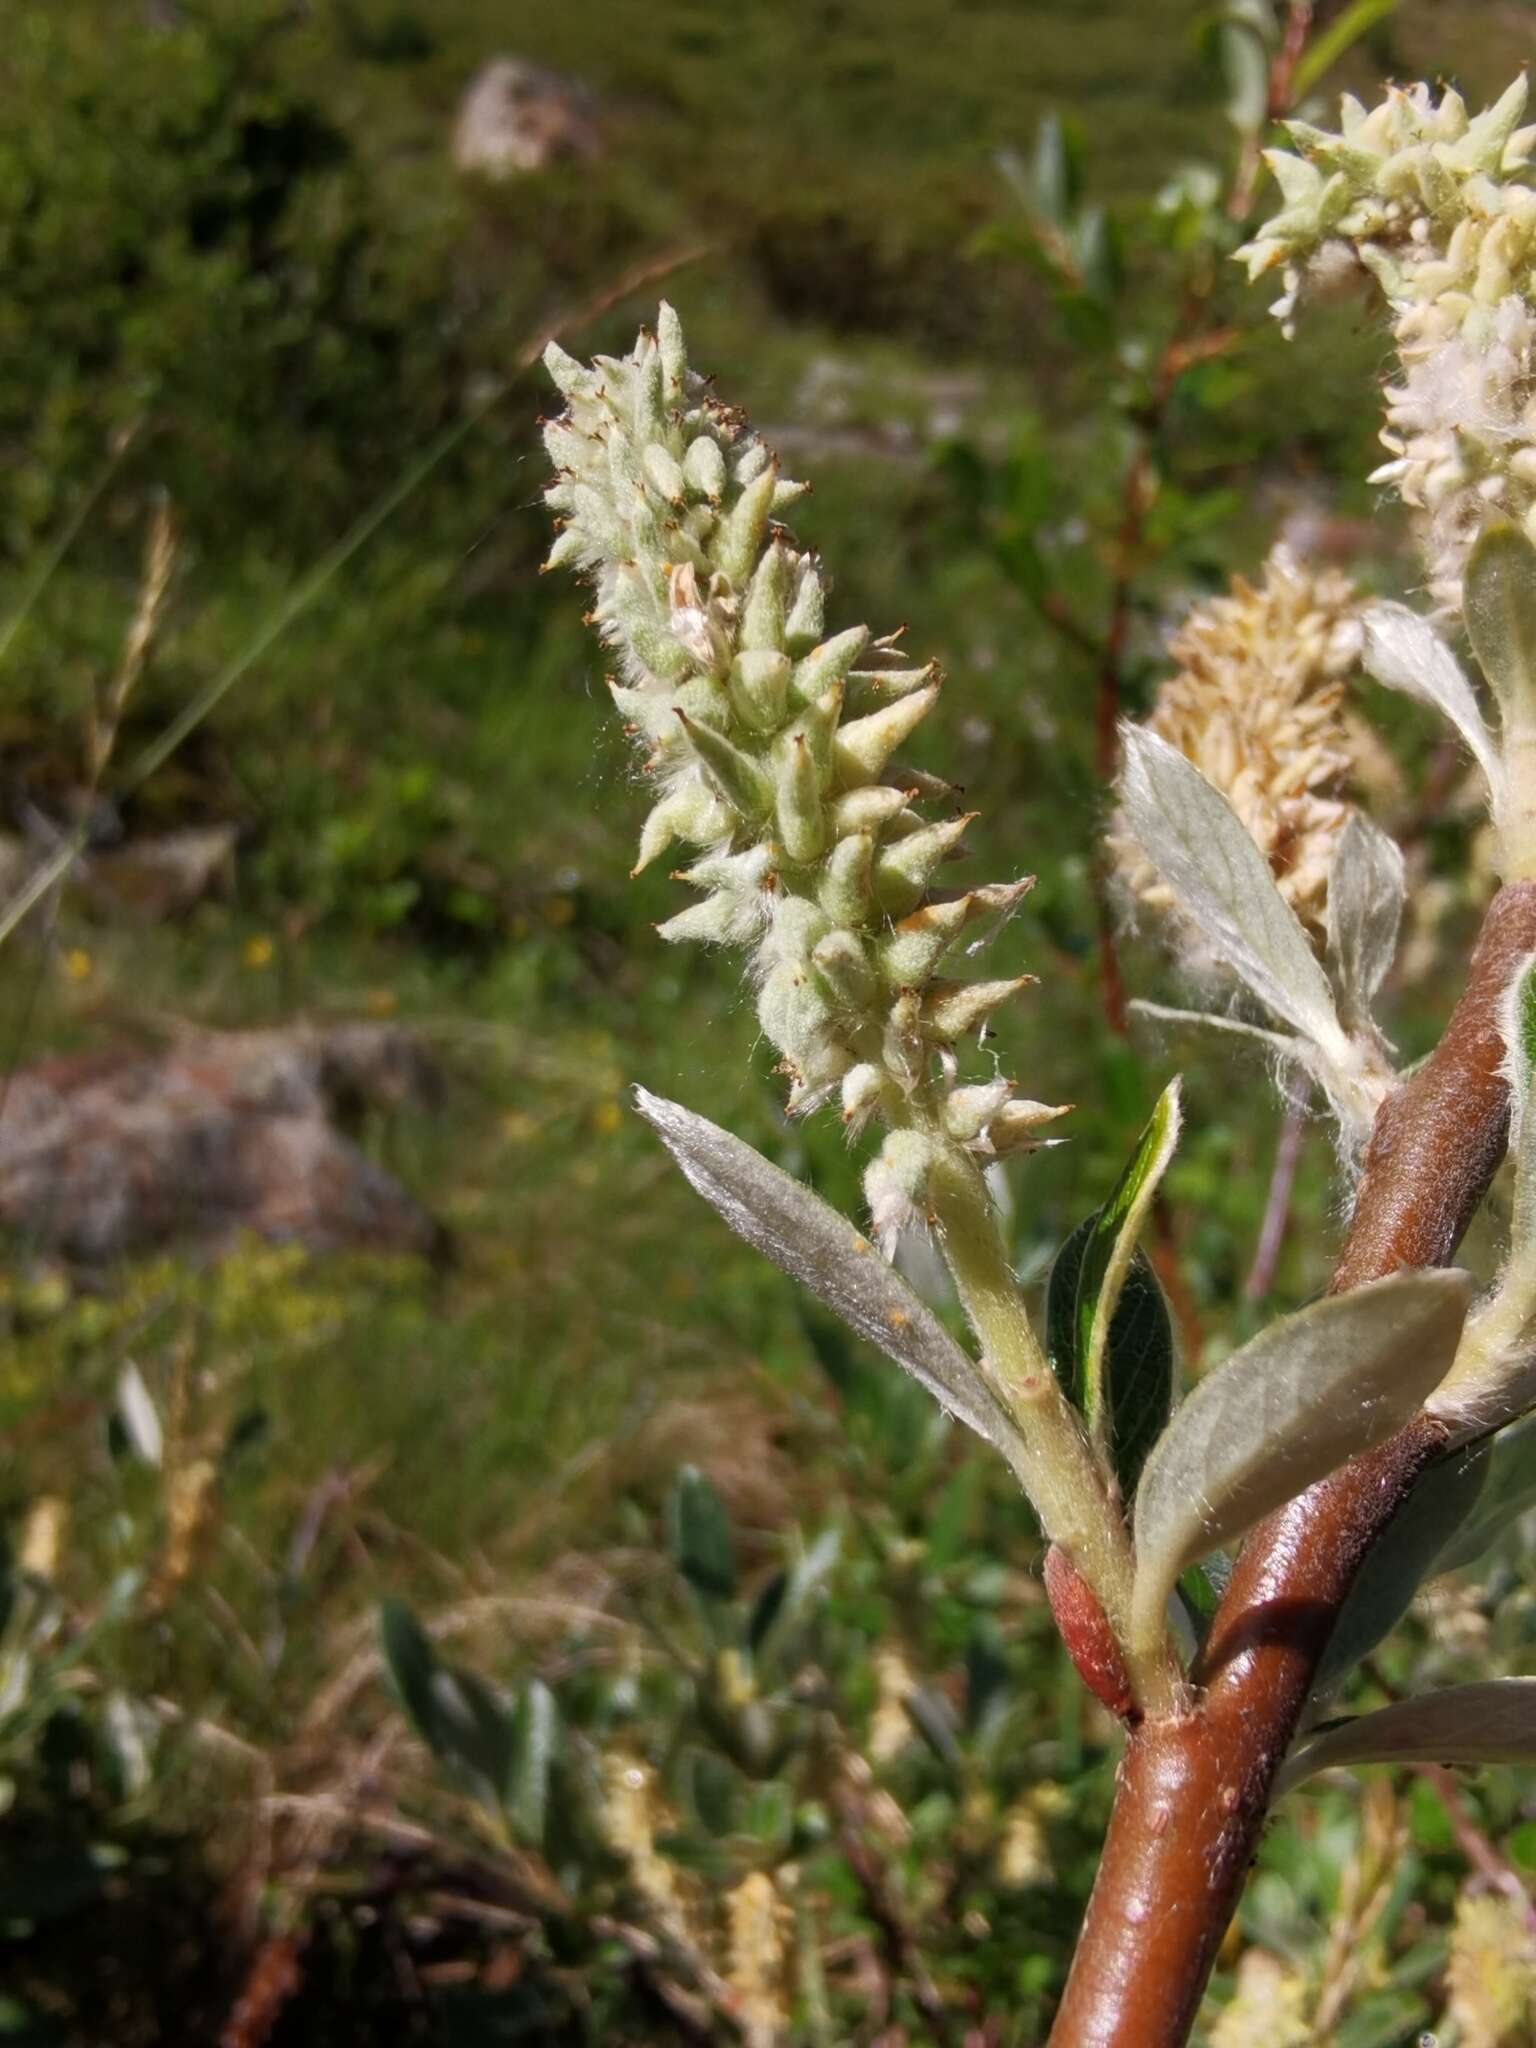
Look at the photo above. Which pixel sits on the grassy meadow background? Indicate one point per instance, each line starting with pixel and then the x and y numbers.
pixel 236 230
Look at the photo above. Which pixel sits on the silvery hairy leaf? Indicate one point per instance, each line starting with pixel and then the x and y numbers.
pixel 1500 606
pixel 1311 1391
pixel 1493 1722
pixel 1279 1043
pixel 1405 652
pixel 810 1241
pixel 1202 850
pixel 1365 907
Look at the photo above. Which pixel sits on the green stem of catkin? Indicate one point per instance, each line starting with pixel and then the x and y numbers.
pixel 1066 1483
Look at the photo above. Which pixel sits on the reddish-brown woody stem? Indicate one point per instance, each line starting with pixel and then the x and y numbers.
pixel 1193 1792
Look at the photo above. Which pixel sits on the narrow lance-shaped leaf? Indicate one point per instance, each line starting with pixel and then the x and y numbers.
pixel 1139 1358
pixel 1493 1722
pixel 1309 1392
pixel 535 1738
pixel 702 1542
pixel 1500 606
pixel 1365 907
pixel 809 1240
pixel 1405 652
pixel 1119 1367
pixel 458 1716
pixel 1200 847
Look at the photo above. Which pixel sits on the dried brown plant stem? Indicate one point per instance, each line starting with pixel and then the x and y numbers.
pixel 1193 1791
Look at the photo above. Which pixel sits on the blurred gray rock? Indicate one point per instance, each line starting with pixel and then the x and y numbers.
pixel 149 879
pixel 517 117
pixel 112 1155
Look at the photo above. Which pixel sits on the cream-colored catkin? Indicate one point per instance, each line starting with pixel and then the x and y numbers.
pixel 1268 2007
pixel 773 747
pixel 42 1537
pixel 756 1923
pixel 1439 208
pixel 1491 1974
pixel 1257 703
pixel 633 1815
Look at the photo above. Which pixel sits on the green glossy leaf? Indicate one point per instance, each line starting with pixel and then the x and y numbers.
pixel 1500 609
pixel 1200 1596
pixel 1107 1326
pixel 1140 1353
pixel 1311 1391
pixel 702 1543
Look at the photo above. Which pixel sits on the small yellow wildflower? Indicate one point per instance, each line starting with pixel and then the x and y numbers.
pixel 78 964
pixel 257 952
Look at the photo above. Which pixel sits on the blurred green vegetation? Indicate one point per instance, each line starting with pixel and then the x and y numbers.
pixel 233 246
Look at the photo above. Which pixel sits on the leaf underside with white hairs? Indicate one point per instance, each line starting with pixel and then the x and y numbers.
pixel 1277 1042
pixel 1405 652
pixel 1493 1722
pixel 1311 1391
pixel 810 1241
pixel 1365 907
pixel 1205 854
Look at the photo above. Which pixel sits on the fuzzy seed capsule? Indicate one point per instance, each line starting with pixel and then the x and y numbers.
pixel 704 469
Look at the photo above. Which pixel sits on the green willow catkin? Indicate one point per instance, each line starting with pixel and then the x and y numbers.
pixel 772 748
pixel 1440 208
